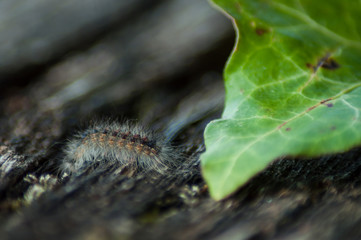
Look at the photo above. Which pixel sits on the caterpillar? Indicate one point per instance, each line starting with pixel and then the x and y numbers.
pixel 125 143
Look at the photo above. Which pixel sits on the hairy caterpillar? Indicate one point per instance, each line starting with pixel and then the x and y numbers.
pixel 126 143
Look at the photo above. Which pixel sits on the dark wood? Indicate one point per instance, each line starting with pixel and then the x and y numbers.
pixel 159 62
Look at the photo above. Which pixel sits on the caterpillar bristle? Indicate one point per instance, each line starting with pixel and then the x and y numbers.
pixel 125 143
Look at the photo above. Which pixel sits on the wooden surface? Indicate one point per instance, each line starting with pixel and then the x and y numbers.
pixel 65 64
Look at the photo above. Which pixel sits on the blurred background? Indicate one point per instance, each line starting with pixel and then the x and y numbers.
pixel 107 53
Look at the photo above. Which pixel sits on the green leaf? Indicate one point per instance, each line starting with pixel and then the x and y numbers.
pixel 292 87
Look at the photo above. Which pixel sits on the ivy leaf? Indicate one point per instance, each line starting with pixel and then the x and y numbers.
pixel 293 87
